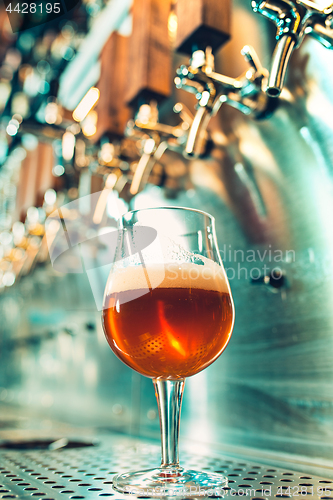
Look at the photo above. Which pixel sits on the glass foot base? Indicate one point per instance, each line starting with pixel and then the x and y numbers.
pixel 170 481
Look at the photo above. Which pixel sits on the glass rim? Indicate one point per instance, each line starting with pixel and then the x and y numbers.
pixel 172 207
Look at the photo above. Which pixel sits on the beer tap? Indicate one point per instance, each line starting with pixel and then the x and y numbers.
pixel 150 60
pixel 294 19
pixel 156 138
pixel 204 26
pixel 245 93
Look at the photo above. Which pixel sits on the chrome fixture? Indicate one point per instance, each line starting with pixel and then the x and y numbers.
pixel 156 138
pixel 294 20
pixel 245 93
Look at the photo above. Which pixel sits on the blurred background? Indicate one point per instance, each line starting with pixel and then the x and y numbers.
pixel 127 102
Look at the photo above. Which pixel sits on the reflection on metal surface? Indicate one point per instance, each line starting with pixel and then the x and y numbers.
pixel 49 444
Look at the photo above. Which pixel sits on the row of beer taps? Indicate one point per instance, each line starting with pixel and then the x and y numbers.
pixel 256 93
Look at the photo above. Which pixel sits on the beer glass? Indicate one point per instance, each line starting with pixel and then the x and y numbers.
pixel 168 314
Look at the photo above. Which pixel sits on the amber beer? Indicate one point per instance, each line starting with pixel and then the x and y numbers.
pixel 174 330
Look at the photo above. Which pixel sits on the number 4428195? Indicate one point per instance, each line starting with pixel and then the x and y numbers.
pixel 295 491
pixel 34 8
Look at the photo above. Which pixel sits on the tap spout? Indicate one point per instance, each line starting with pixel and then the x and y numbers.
pixel 142 171
pixel 212 89
pixel 145 166
pixel 281 56
pixel 294 20
pixel 197 136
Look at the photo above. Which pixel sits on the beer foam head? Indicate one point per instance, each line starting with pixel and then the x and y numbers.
pixel 206 275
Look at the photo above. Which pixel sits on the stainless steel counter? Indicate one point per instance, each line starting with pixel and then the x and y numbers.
pixel 86 468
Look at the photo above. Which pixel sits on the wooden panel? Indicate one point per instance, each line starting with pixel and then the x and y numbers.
pixel 45 179
pixel 113 113
pixel 26 188
pixel 202 23
pixel 149 69
pixel 97 183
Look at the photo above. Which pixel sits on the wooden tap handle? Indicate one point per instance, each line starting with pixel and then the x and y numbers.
pixel 111 108
pixel 150 60
pixel 26 189
pixel 201 24
pixel 45 178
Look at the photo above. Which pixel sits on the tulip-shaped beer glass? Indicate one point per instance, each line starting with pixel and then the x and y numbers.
pixel 168 314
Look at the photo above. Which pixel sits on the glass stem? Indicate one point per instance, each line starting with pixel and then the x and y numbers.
pixel 169 395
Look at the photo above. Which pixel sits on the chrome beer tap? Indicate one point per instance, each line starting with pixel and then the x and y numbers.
pixel 294 19
pixel 156 138
pixel 245 93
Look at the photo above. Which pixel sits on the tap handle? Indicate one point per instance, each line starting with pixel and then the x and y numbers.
pixel 202 23
pixel 185 114
pixel 146 121
pixel 112 113
pixel 251 57
pixel 149 56
pixel 259 73
pixel 185 80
